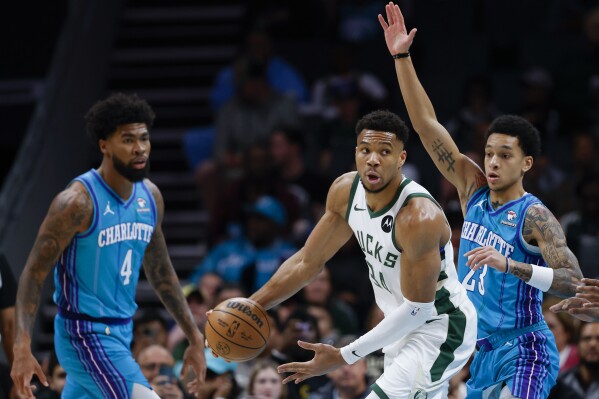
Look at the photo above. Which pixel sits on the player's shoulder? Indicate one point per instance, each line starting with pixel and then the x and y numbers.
pixel 420 209
pixel 75 196
pixel 153 189
pixel 340 190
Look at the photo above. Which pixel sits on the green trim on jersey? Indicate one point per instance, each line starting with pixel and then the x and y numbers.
pixel 409 197
pixel 376 389
pixel 455 333
pixel 392 202
pixel 352 193
pixel 442 276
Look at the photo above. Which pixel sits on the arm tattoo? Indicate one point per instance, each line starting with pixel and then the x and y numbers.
pixel 68 214
pixel 445 157
pixel 161 275
pixel 542 229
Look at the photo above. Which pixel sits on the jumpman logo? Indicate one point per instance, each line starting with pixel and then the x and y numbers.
pixel 108 210
pixel 480 204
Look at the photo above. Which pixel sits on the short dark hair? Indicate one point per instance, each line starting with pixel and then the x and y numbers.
pixel 516 126
pixel 118 109
pixel 384 121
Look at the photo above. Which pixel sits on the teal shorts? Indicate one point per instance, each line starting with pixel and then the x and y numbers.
pixel 97 359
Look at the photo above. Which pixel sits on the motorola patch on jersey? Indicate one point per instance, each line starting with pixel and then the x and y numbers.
pixel 387 223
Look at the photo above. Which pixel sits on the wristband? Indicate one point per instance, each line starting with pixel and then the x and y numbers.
pixel 541 278
pixel 507 265
pixel 401 55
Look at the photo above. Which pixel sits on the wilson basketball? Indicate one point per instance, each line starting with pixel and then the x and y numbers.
pixel 237 329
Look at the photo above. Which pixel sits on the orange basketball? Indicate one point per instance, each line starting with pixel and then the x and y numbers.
pixel 237 329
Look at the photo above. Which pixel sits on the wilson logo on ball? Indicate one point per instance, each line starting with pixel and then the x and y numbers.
pixel 245 309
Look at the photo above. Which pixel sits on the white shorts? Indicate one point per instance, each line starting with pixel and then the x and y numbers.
pixel 421 364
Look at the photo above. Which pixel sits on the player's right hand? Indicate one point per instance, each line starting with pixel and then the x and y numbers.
pixel 23 368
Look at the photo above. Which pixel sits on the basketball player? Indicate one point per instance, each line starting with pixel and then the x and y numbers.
pixel 429 328
pixel 585 305
pixel 512 249
pixel 98 232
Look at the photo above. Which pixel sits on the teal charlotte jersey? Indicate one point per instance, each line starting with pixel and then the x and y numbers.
pixel 514 347
pixel 97 274
pixel 502 301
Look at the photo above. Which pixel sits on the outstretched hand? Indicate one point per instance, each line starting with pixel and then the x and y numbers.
pixel 585 305
pixel 397 37
pixel 326 359
pixel 480 256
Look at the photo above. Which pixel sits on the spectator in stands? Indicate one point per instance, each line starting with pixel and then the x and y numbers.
pixel 345 72
pixel 229 290
pixel 320 292
pixel 565 330
pixel 299 325
pixel 177 343
pixel 8 293
pixel 220 379
pixel 582 226
pixel 209 285
pixel 149 328
pixel 475 115
pixel 266 382
pixel 281 75
pixel 327 331
pixel 582 381
pixel 245 119
pixel 287 147
pixel 251 258
pixel 259 179
pixel 347 382
pixel 157 364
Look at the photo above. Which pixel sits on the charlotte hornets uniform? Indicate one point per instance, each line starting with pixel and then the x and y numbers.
pixel 420 364
pixel 515 346
pixel 95 279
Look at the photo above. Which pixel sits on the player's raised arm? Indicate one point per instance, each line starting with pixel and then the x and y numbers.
pixel 460 170
pixel 161 275
pixel 70 213
pixel 329 235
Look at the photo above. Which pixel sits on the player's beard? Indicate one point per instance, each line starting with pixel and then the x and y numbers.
pixel 592 365
pixel 129 172
pixel 378 190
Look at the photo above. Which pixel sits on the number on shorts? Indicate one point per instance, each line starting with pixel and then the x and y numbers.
pixel 126 268
pixel 470 282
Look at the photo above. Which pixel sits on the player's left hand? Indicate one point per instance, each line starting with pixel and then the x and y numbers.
pixel 478 257
pixel 326 359
pixel 396 35
pixel 195 359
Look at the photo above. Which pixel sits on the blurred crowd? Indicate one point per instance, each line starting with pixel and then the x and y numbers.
pixel 278 142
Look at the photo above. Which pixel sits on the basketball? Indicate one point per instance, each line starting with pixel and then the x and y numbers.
pixel 237 329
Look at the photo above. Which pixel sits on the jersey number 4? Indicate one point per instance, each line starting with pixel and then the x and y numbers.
pixel 470 281
pixel 126 268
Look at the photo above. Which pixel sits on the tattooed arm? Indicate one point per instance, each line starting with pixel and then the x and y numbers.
pixel 70 213
pixel 460 170
pixel 542 229
pixel 161 275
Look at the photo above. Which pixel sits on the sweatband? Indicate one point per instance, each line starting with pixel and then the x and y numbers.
pixel 541 278
pixel 404 319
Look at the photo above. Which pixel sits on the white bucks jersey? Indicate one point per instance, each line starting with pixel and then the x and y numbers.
pixel 375 234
